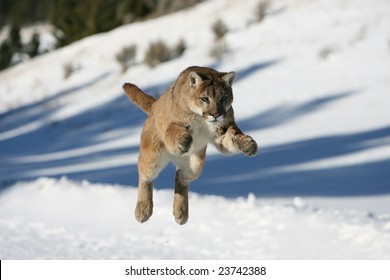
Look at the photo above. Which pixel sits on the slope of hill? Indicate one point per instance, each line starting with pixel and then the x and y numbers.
pixel 312 88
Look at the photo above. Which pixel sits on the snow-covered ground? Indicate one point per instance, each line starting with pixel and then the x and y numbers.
pixel 312 87
pixel 62 219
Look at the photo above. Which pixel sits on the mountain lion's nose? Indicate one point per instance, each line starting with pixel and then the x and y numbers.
pixel 216 115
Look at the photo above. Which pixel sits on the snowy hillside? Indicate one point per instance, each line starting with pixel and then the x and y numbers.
pixel 312 87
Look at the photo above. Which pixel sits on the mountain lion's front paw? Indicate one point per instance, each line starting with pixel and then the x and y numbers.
pixel 184 144
pixel 247 145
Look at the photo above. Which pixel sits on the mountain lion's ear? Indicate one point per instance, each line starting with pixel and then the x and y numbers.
pixel 229 77
pixel 195 79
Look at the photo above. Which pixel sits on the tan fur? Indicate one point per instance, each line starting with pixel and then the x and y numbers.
pixel 194 111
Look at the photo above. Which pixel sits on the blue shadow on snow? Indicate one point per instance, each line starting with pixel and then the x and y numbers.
pixel 271 173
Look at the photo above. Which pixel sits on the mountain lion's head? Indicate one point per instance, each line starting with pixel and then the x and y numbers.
pixel 210 93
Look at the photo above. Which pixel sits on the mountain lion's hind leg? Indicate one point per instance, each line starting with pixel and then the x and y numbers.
pixel 150 162
pixel 144 208
pixel 187 170
pixel 180 199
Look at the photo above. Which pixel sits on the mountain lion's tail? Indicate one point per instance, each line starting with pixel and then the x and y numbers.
pixel 138 97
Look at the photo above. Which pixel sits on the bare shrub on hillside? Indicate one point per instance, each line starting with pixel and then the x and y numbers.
pixel 220 46
pixel 159 52
pixel 261 10
pixel 179 49
pixel 325 52
pixel 219 29
pixel 218 49
pixel 69 68
pixel 126 57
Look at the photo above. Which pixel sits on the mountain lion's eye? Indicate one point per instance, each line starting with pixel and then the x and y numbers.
pixel 205 99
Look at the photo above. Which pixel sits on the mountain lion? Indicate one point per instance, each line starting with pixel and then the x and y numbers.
pixel 194 111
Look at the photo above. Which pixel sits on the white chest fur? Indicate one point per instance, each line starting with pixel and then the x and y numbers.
pixel 202 134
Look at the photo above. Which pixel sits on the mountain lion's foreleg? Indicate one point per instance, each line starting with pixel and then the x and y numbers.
pixel 178 139
pixel 231 140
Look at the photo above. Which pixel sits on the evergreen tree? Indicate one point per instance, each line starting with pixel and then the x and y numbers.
pixel 5 54
pixel 32 49
pixel 15 40
pixel 78 19
pixel 5 7
pixel 63 16
pixel 22 12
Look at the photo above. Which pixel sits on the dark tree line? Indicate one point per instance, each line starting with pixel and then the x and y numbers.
pixel 79 18
pixel 75 19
